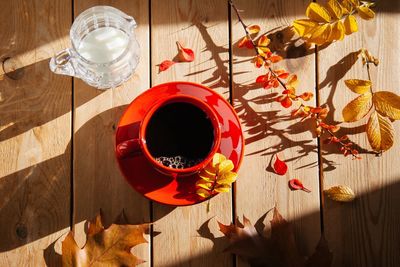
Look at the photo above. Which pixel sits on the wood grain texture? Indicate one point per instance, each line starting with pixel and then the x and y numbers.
pixel 365 232
pixel 98 183
pixel 35 130
pixel 189 235
pixel 269 128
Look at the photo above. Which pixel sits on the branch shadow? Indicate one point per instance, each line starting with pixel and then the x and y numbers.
pixel 342 237
pixel 36 200
pixel 263 124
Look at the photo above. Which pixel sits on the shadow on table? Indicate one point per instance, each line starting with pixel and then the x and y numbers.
pixel 36 200
pixel 358 233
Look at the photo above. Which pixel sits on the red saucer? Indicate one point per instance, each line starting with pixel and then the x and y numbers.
pixel 142 176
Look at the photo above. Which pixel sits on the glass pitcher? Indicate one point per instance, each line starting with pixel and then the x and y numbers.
pixel 104 50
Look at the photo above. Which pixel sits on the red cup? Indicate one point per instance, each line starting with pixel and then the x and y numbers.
pixel 138 146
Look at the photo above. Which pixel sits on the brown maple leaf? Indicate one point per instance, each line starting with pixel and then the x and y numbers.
pixel 280 250
pixel 104 247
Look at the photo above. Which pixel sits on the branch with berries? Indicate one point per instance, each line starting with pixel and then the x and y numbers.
pixel 274 78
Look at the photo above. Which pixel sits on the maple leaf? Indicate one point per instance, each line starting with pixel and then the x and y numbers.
pixel 104 247
pixel 279 250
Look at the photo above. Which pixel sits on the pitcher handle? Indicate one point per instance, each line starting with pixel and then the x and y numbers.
pixel 61 63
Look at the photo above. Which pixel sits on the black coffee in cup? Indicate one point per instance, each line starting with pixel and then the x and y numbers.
pixel 179 135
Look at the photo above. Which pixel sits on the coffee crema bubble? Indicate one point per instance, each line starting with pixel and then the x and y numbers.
pixel 177 162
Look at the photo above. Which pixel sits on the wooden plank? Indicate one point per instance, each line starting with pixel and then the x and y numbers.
pixel 98 183
pixel 269 129
pixel 202 26
pixel 365 232
pixel 35 131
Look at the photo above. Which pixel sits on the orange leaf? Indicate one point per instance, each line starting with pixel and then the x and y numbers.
pixel 253 29
pixel 258 61
pixel 263 41
pixel 275 58
pixel 165 65
pixel 185 54
pixel 262 79
pixel 286 102
pixel 306 96
pixel 103 247
pixel 245 42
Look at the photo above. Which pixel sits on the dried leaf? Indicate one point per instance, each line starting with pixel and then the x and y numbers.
pixel 322 256
pixel 380 132
pixel 358 86
pixel 367 57
pixel 304 27
pixel 365 12
pixel 317 13
pixel 387 104
pixel 278 165
pixel 335 9
pixel 340 193
pixel 165 65
pixel 104 247
pixel 185 54
pixel 357 108
pixel 278 250
pixel 350 24
pixel 254 29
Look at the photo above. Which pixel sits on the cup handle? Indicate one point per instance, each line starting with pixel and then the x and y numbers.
pixel 129 148
pixel 61 63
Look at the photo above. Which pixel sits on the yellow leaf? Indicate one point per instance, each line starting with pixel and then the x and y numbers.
pixel 263 41
pixel 387 104
pixel 225 166
pixel 317 13
pixel 206 175
pixel 218 158
pixel 222 188
pixel 340 193
pixel 304 27
pixel 203 193
pixel 350 25
pixel 380 132
pixel 335 8
pixel 227 178
pixel 365 12
pixel 337 32
pixel 357 108
pixel 204 184
pixel 292 82
pixel 358 86
pixel 320 35
pixel 347 7
pixel 355 3
pixel 253 29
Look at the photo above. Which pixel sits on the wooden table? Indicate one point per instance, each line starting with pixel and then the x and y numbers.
pixel 57 167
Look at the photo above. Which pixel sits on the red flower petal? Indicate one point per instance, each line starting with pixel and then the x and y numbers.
pixel 261 79
pixel 165 65
pixel 185 54
pixel 278 165
pixel 286 102
pixel 296 184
